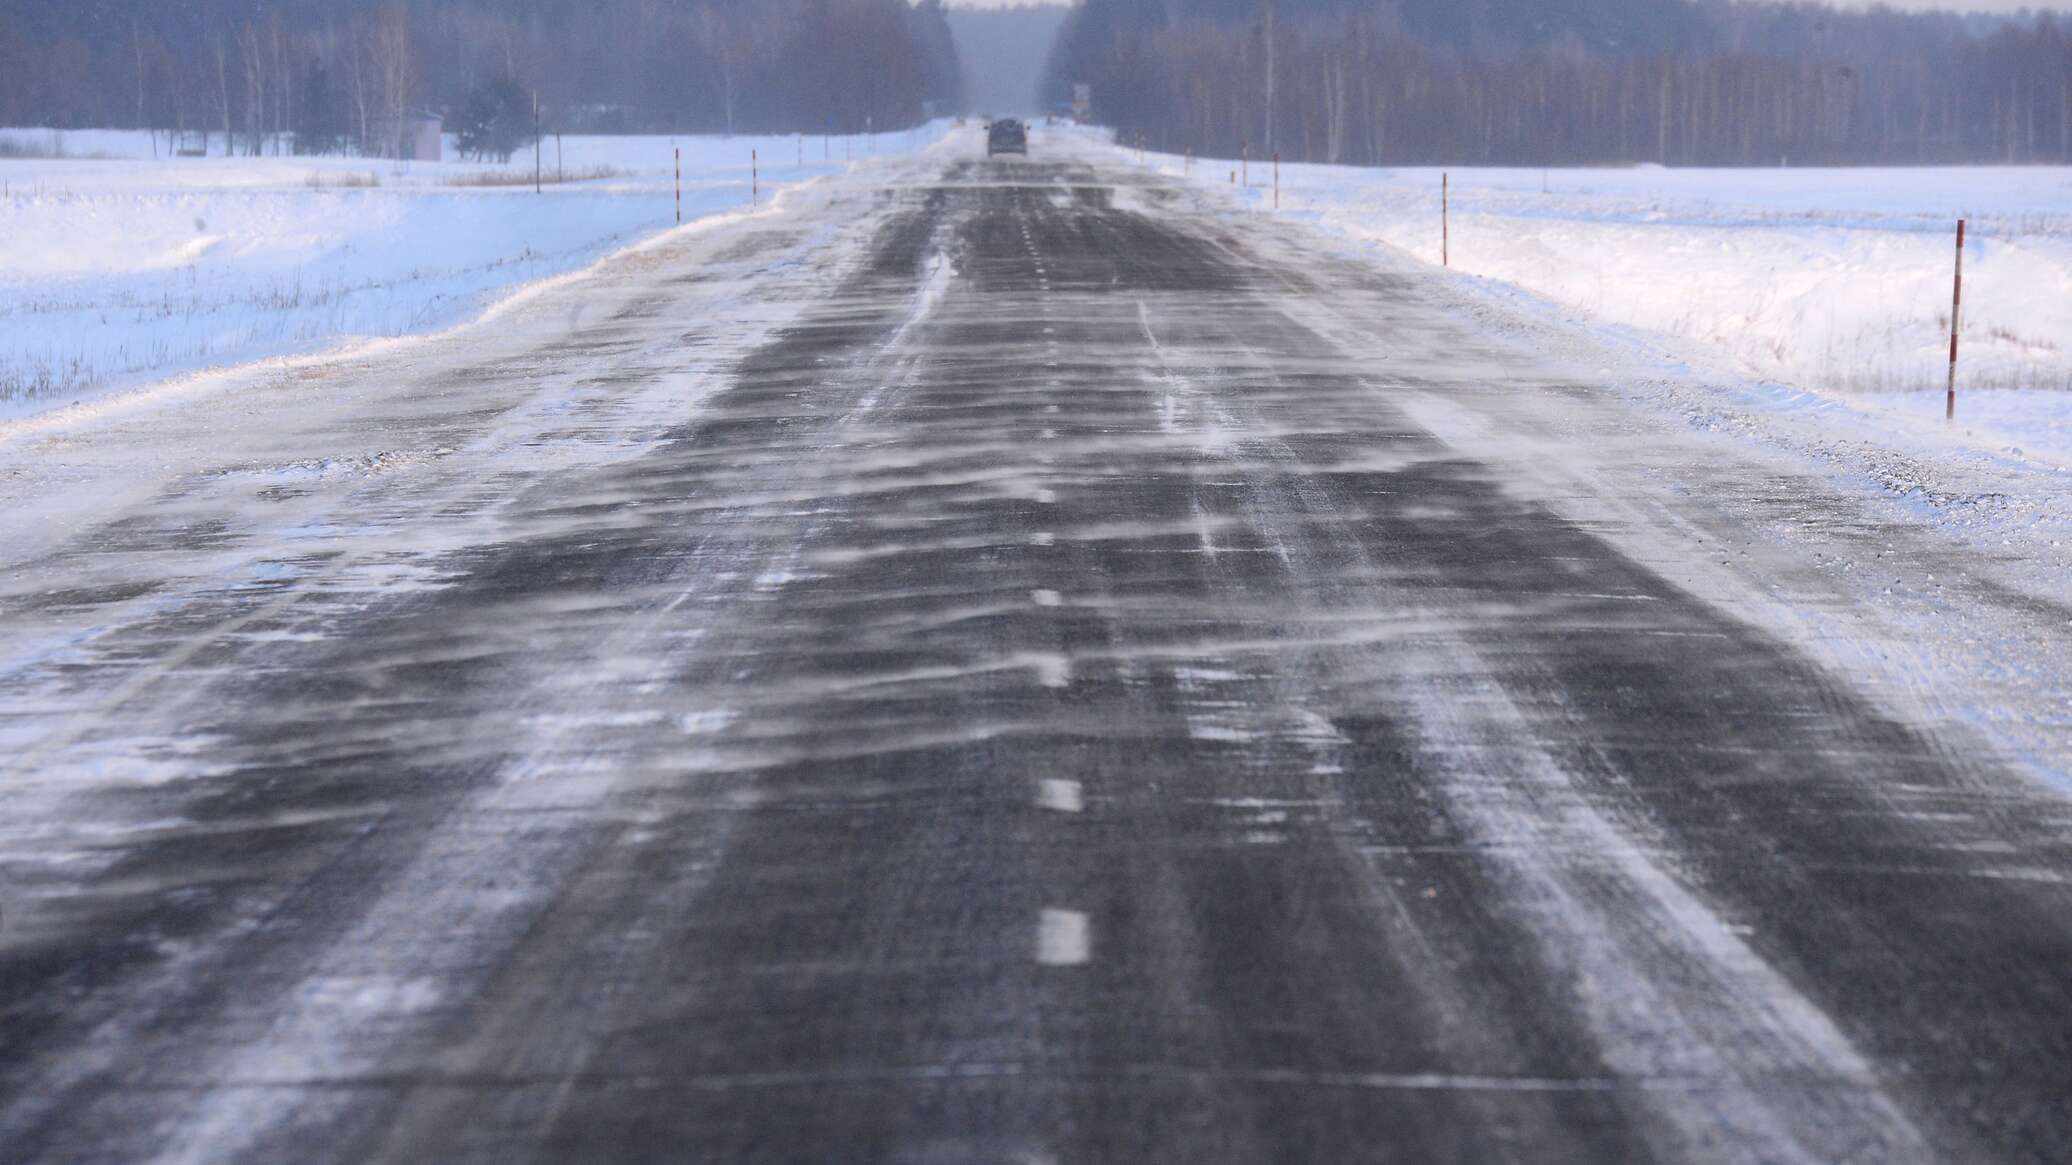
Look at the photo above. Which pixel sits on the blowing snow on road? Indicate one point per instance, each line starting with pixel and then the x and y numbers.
pixel 1023 661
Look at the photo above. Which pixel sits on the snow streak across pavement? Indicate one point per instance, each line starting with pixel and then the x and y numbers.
pixel 989 662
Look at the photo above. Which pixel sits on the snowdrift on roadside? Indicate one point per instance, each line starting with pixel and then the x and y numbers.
pixel 1837 281
pixel 121 268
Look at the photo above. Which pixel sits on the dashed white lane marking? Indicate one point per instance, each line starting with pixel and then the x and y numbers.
pixel 1061 796
pixel 1046 597
pixel 1064 938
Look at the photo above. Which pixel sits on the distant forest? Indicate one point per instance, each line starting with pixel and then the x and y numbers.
pixel 346 74
pixel 1533 82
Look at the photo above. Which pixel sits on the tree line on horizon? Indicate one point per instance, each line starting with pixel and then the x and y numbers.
pixel 324 76
pixel 1571 82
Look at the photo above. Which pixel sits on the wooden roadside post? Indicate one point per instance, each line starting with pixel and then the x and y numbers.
pixel 1445 220
pixel 1956 324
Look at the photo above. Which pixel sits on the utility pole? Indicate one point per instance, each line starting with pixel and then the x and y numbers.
pixel 1268 11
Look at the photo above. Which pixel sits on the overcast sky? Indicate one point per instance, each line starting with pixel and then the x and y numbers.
pixel 1962 5
pixel 1972 5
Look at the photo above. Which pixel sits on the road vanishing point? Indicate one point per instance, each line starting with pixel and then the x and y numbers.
pixel 1006 661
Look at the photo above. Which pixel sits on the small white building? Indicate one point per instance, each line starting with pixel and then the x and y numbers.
pixel 424 137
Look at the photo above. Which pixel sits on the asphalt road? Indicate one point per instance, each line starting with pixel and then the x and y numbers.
pixel 1048 701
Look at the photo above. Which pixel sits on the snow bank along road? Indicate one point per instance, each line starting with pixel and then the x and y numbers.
pixel 996 662
pixel 131 269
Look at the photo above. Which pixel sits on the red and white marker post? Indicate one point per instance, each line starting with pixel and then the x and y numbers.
pixel 679 186
pixel 755 179
pixel 1956 324
pixel 1276 179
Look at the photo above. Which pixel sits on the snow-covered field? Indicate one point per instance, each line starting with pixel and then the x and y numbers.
pixel 121 268
pixel 1832 280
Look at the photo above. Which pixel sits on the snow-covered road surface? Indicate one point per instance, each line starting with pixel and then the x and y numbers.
pixel 1012 662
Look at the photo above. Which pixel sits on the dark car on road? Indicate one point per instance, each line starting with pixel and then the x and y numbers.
pixel 1007 136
